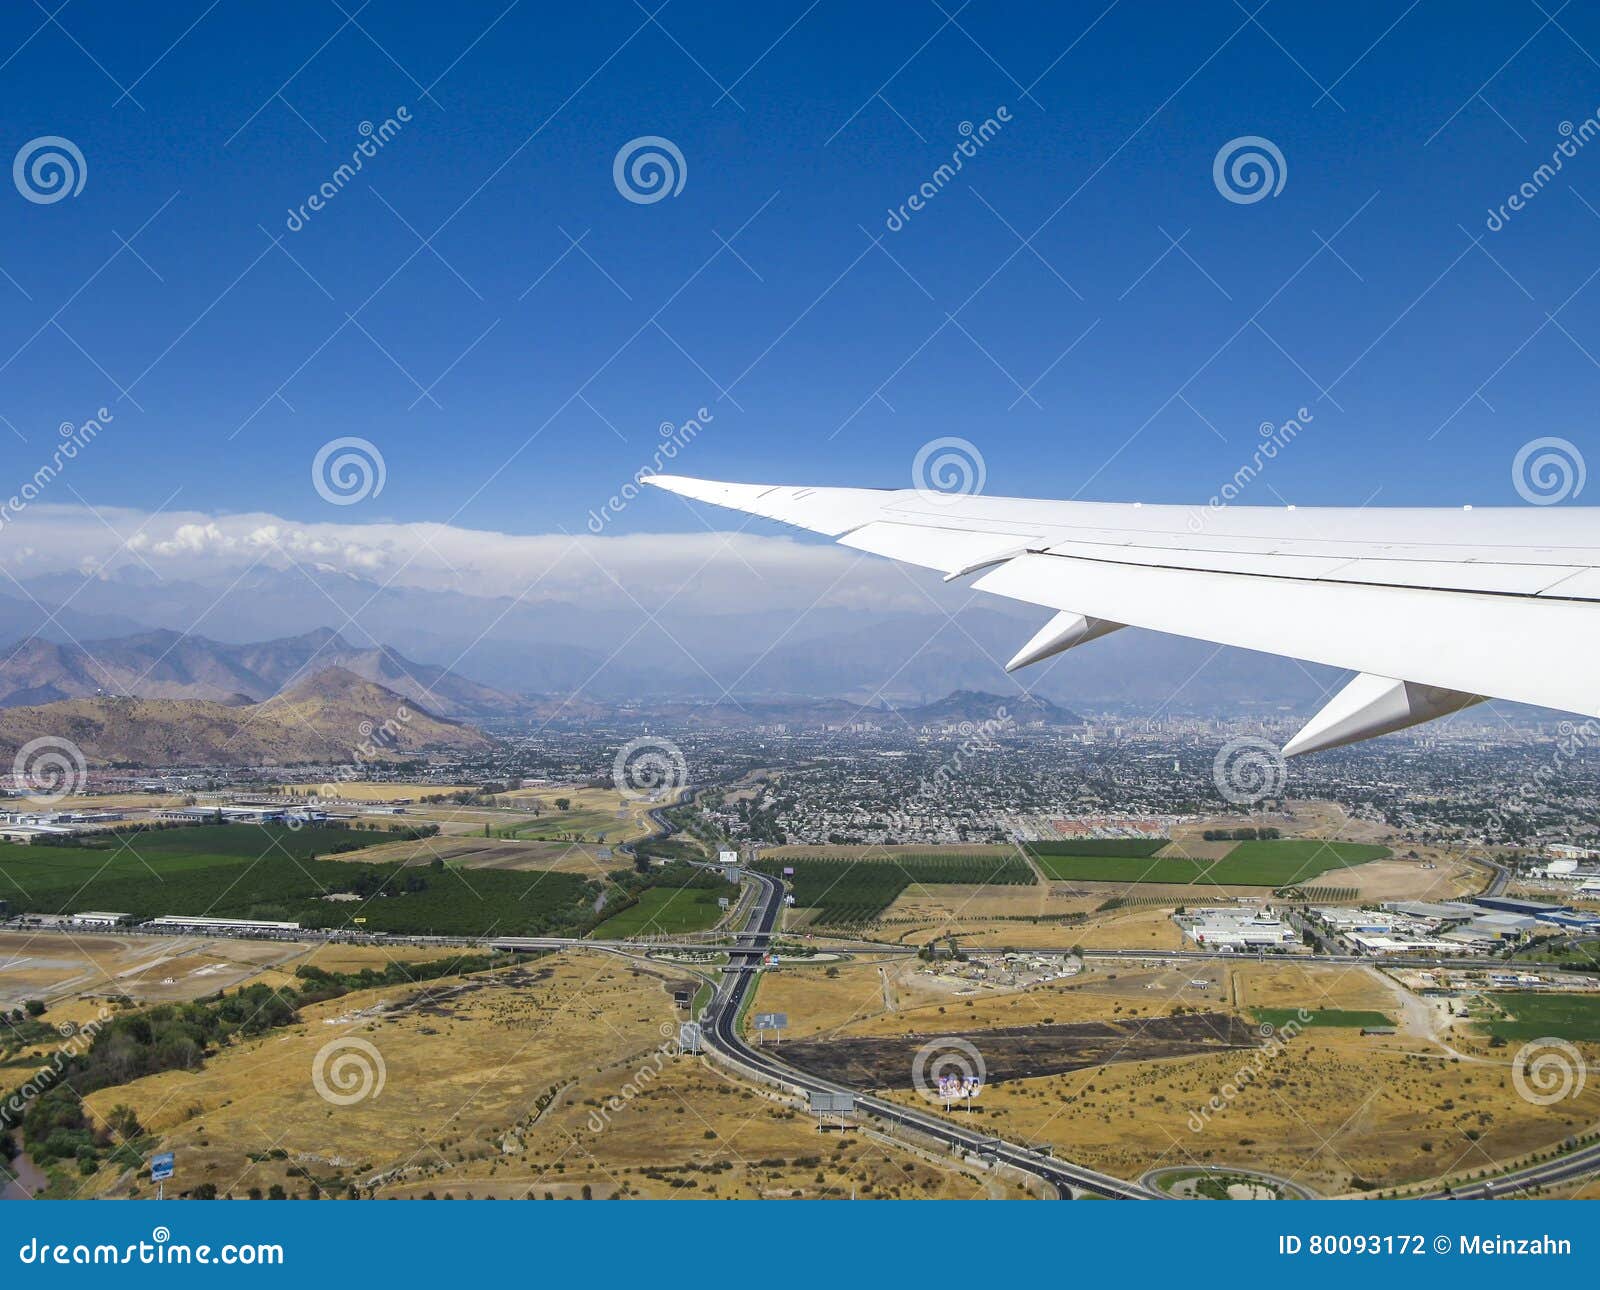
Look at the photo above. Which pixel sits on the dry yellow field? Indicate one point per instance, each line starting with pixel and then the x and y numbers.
pixel 548 1079
pixel 83 969
pixel 56 965
pixel 685 1130
pixel 464 1064
pixel 1094 995
pixel 1326 1108
pixel 818 1003
pixel 362 790
pixel 473 851
pixel 958 902
pixel 1331 1108
pixel 1407 880
pixel 901 996
pixel 1278 985
pixel 980 933
pixel 1142 927
pixel 119 801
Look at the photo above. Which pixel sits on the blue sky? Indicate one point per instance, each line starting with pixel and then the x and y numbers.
pixel 1036 306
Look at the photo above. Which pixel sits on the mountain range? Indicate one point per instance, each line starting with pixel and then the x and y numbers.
pixel 326 718
pixel 603 651
pixel 167 665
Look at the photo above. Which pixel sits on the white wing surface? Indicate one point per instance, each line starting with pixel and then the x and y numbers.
pixel 1436 608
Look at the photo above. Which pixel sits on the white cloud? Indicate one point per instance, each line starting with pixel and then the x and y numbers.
pixel 705 571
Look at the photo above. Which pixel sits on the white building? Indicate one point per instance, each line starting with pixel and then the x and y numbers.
pixel 1230 927
pixel 99 918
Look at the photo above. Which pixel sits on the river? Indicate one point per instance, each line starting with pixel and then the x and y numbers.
pixel 21 1178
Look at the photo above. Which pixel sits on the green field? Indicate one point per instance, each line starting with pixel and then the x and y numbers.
pixel 266 872
pixel 587 826
pixel 1343 1018
pixel 1097 847
pixel 847 892
pixel 1249 864
pixel 1534 1016
pixel 666 910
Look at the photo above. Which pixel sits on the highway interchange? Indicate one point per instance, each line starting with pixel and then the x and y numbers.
pixel 747 953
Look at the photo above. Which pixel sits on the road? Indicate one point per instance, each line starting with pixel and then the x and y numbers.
pixel 748 950
pixel 1583 1164
pixel 720 1025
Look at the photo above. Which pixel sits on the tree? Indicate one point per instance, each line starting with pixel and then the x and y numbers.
pixel 123 1122
pixel 563 803
pixel 34 1007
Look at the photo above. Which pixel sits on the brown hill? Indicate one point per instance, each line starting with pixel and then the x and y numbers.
pixel 169 665
pixel 331 717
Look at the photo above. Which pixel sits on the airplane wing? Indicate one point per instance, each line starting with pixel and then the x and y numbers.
pixel 1436 609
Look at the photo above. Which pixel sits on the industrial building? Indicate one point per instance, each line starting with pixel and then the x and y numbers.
pixel 237 926
pixel 100 918
pixel 1232 927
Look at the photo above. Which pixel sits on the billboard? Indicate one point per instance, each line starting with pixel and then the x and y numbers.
pixel 161 1167
pixel 772 1021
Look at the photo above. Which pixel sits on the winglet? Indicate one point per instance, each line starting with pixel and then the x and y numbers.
pixel 1062 632
pixel 1375 705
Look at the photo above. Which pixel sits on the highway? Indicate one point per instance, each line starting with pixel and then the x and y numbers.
pixel 1580 1165
pixel 725 945
pixel 749 948
pixel 720 1029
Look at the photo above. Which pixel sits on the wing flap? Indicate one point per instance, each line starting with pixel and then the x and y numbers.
pixel 1525 650
pixel 947 550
